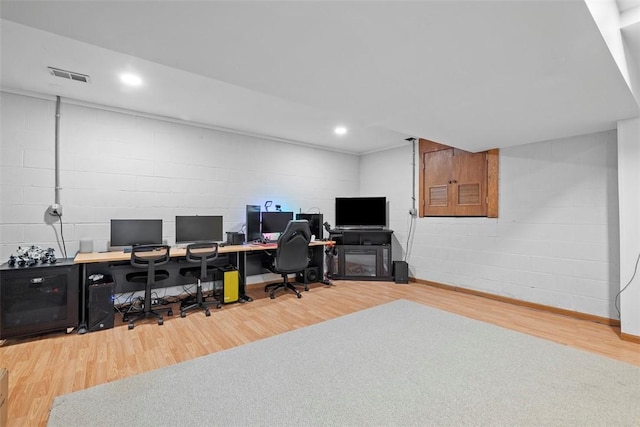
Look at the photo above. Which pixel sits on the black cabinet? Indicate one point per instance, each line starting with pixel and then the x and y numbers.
pixel 362 254
pixel 37 299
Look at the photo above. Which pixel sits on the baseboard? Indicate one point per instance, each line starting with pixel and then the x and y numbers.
pixel 542 307
pixel 631 338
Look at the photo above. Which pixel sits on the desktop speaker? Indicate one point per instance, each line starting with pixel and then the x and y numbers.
pixel 100 307
pixel 308 275
pixel 86 246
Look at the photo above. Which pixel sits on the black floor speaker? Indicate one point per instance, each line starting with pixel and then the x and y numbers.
pixel 401 271
pixel 308 275
pixel 100 307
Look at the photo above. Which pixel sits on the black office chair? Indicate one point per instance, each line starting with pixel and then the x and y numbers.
pixel 202 253
pixel 148 257
pixel 292 255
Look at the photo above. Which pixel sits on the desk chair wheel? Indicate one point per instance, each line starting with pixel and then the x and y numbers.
pixel 170 312
pixel 272 296
pixel 299 295
pixel 160 321
pixel 183 313
pixel 207 312
pixel 130 325
pixel 306 288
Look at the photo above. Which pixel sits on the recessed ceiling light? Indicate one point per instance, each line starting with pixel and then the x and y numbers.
pixel 130 79
pixel 340 130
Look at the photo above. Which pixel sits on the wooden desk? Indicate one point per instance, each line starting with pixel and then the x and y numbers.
pixel 176 253
pixel 86 258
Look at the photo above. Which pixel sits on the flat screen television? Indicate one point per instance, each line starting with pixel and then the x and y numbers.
pixel 361 212
pixel 197 228
pixel 275 222
pixel 253 223
pixel 131 232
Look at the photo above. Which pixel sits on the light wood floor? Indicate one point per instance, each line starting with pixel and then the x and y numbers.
pixel 46 366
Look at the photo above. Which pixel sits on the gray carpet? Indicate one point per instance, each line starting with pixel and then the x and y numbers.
pixel 400 363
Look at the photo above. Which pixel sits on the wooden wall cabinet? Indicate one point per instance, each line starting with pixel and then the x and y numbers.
pixel 455 182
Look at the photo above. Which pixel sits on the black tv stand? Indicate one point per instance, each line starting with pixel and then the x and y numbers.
pixel 362 254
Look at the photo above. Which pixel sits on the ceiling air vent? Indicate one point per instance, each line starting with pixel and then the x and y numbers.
pixel 69 75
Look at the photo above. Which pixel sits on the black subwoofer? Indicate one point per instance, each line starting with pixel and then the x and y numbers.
pixel 100 307
pixel 401 272
pixel 308 275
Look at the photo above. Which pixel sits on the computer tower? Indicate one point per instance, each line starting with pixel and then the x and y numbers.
pixel 235 238
pixel 100 312
pixel 230 284
pixel 308 275
pixel 315 223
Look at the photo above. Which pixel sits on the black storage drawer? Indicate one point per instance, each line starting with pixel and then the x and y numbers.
pixel 38 299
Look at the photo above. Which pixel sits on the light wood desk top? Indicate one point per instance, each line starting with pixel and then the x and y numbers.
pixel 91 257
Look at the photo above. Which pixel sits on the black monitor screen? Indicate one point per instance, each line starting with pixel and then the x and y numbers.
pixel 198 228
pixel 253 223
pixel 275 222
pixel 131 232
pixel 361 211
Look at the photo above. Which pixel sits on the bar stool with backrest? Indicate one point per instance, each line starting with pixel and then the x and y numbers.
pixel 202 253
pixel 148 257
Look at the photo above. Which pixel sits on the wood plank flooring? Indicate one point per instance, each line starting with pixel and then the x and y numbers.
pixel 46 366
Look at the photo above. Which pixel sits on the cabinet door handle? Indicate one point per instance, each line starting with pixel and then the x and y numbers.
pixel 36 281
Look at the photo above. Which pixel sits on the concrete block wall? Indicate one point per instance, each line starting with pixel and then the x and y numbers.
pixel 556 241
pixel 120 165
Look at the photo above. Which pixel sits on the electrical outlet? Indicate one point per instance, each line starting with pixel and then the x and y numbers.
pixel 55 209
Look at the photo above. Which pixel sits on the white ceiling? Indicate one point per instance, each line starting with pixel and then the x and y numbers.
pixel 472 74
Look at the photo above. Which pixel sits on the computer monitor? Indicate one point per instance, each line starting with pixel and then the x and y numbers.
pixel 253 223
pixel 275 222
pixel 197 228
pixel 368 212
pixel 131 232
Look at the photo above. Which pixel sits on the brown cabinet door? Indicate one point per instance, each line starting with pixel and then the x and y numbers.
pixel 469 184
pixel 454 183
pixel 437 175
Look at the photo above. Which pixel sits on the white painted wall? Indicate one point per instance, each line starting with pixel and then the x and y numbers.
pixel 116 165
pixel 629 190
pixel 555 241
